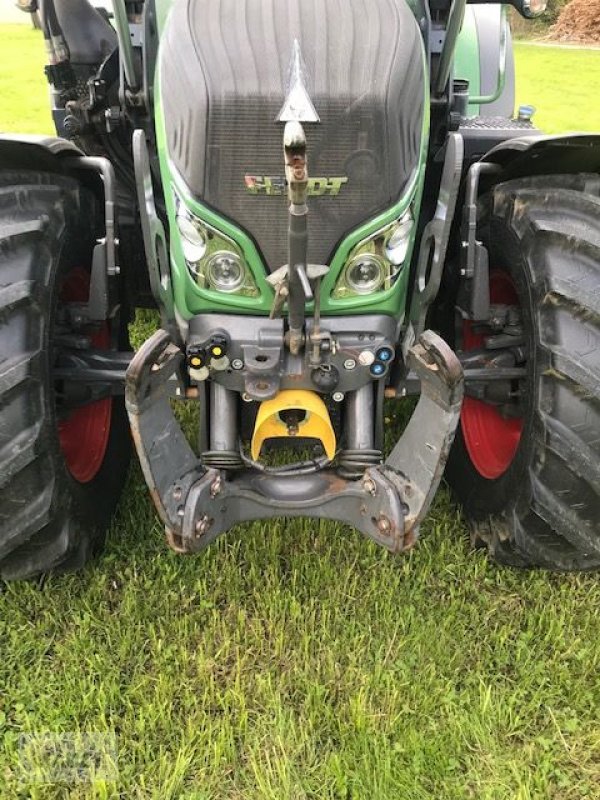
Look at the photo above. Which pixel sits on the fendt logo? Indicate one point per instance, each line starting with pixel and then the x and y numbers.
pixel 273 185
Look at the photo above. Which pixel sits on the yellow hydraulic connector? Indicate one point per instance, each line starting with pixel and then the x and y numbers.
pixel 315 424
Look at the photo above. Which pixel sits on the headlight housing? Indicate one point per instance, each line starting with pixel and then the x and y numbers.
pixel 375 263
pixel 225 271
pixel 365 273
pixel 214 261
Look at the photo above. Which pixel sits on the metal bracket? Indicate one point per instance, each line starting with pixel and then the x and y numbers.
pixel 434 241
pixel 169 465
pixel 153 231
pixel 215 505
pixel 417 462
pixel 474 256
pixel 104 260
pixel 386 504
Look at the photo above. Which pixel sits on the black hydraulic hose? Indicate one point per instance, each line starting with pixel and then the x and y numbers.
pixel 307 467
pixel 55 41
pixel 50 24
pixel 44 9
pixel 121 161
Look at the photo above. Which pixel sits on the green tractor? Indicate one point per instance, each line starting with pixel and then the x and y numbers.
pixel 333 206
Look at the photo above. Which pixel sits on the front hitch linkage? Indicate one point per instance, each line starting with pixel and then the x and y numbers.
pixel 386 504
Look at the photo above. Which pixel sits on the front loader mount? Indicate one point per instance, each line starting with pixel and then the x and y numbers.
pixel 386 504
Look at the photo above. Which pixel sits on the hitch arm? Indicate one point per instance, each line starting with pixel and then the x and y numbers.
pixel 167 460
pixel 416 464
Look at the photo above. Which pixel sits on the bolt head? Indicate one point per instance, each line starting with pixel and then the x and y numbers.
pixel 337 397
pixel 383 524
pixel 369 486
pixel 349 363
pixel 237 363
pixel 202 526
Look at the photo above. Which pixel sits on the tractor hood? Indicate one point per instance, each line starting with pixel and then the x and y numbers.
pixel 224 76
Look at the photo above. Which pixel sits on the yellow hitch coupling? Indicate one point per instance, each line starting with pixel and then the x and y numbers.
pixel 293 413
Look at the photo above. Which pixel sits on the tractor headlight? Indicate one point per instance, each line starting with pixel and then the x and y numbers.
pixel 398 240
pixel 225 272
pixel 365 273
pixel 213 259
pixel 193 236
pixel 375 263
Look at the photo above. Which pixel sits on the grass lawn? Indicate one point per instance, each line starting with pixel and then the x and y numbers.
pixel 562 83
pixel 301 661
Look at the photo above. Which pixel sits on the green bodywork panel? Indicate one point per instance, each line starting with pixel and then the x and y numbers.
pixel 190 299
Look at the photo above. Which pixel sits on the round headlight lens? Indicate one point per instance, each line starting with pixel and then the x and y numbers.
pixel 397 244
pixel 225 272
pixel 365 273
pixel 193 238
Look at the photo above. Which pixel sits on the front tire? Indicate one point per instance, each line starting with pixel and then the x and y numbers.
pixel 54 511
pixel 542 508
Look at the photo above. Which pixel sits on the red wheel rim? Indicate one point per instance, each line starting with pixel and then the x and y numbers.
pixel 491 439
pixel 83 435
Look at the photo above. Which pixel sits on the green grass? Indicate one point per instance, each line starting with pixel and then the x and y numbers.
pixel 562 83
pixel 23 88
pixel 300 661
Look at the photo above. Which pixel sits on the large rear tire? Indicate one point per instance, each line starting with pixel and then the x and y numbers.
pixel 61 473
pixel 538 503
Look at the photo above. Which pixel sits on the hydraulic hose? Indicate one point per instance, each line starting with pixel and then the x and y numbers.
pixel 56 45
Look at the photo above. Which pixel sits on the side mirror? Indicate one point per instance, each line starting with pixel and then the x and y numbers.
pixel 530 9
